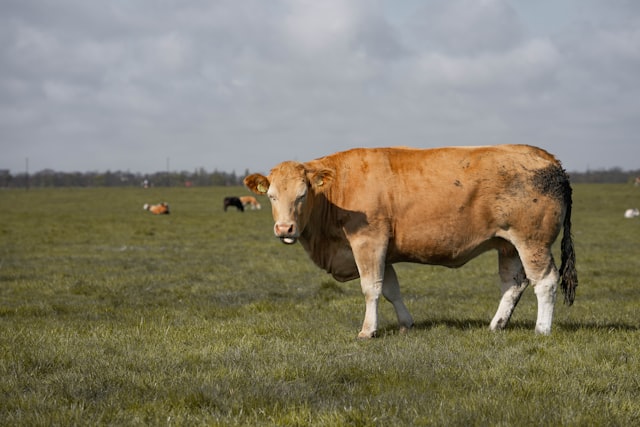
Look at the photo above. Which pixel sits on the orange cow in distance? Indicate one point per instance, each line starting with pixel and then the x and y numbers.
pixel 159 209
pixel 250 202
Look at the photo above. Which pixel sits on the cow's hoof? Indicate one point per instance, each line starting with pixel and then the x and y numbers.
pixel 367 335
pixel 498 324
pixel 404 330
pixel 543 330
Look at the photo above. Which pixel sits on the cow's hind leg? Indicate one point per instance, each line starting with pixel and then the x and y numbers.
pixel 391 291
pixel 545 289
pixel 513 283
pixel 543 275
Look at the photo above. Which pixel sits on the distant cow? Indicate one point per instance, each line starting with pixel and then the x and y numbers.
pixel 250 202
pixel 358 212
pixel 233 201
pixel 159 209
pixel 631 213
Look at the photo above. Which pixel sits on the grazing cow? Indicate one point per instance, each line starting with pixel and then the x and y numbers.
pixel 631 213
pixel 250 202
pixel 159 209
pixel 358 212
pixel 233 201
pixel 636 182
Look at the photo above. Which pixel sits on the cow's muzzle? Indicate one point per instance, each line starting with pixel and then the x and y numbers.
pixel 286 232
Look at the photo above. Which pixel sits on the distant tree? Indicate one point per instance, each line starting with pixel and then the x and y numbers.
pixel 5 178
pixel 604 176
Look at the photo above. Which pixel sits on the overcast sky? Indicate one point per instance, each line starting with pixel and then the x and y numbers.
pixel 244 84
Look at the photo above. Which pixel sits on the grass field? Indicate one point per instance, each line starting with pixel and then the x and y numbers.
pixel 112 316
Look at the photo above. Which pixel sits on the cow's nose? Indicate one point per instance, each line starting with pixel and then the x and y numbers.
pixel 285 229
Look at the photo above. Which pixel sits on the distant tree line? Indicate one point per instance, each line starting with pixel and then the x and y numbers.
pixel 202 178
pixel 50 178
pixel 605 176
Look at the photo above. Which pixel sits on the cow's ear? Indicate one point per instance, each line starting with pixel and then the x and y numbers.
pixel 257 183
pixel 321 179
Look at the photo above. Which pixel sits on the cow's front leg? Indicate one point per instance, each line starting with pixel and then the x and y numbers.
pixel 371 288
pixel 369 253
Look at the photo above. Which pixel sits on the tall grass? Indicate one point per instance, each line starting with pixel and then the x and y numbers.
pixel 112 316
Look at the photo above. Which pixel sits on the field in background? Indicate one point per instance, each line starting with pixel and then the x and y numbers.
pixel 110 315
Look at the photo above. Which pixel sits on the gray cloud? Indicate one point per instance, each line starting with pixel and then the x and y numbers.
pixel 243 85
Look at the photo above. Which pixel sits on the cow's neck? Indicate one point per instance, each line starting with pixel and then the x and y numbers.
pixel 324 240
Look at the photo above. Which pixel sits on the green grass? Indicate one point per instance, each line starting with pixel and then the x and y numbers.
pixel 112 316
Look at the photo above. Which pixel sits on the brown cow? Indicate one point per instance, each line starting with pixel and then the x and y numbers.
pixel 159 209
pixel 250 202
pixel 358 212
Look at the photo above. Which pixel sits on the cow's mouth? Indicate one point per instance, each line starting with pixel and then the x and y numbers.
pixel 288 240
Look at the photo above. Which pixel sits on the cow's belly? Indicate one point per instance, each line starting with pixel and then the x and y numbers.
pixel 342 266
pixel 453 253
pixel 446 249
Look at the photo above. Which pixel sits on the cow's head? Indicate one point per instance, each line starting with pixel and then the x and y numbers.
pixel 291 188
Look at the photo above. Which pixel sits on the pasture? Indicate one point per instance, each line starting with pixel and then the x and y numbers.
pixel 112 316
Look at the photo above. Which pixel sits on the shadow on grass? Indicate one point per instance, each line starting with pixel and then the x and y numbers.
pixel 479 324
pixel 456 323
pixel 595 326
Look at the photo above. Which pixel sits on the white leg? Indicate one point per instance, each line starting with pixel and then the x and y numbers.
pixel 513 284
pixel 369 256
pixel 543 275
pixel 371 290
pixel 545 290
pixel 391 291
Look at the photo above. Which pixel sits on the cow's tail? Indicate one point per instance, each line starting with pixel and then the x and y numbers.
pixel 568 273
